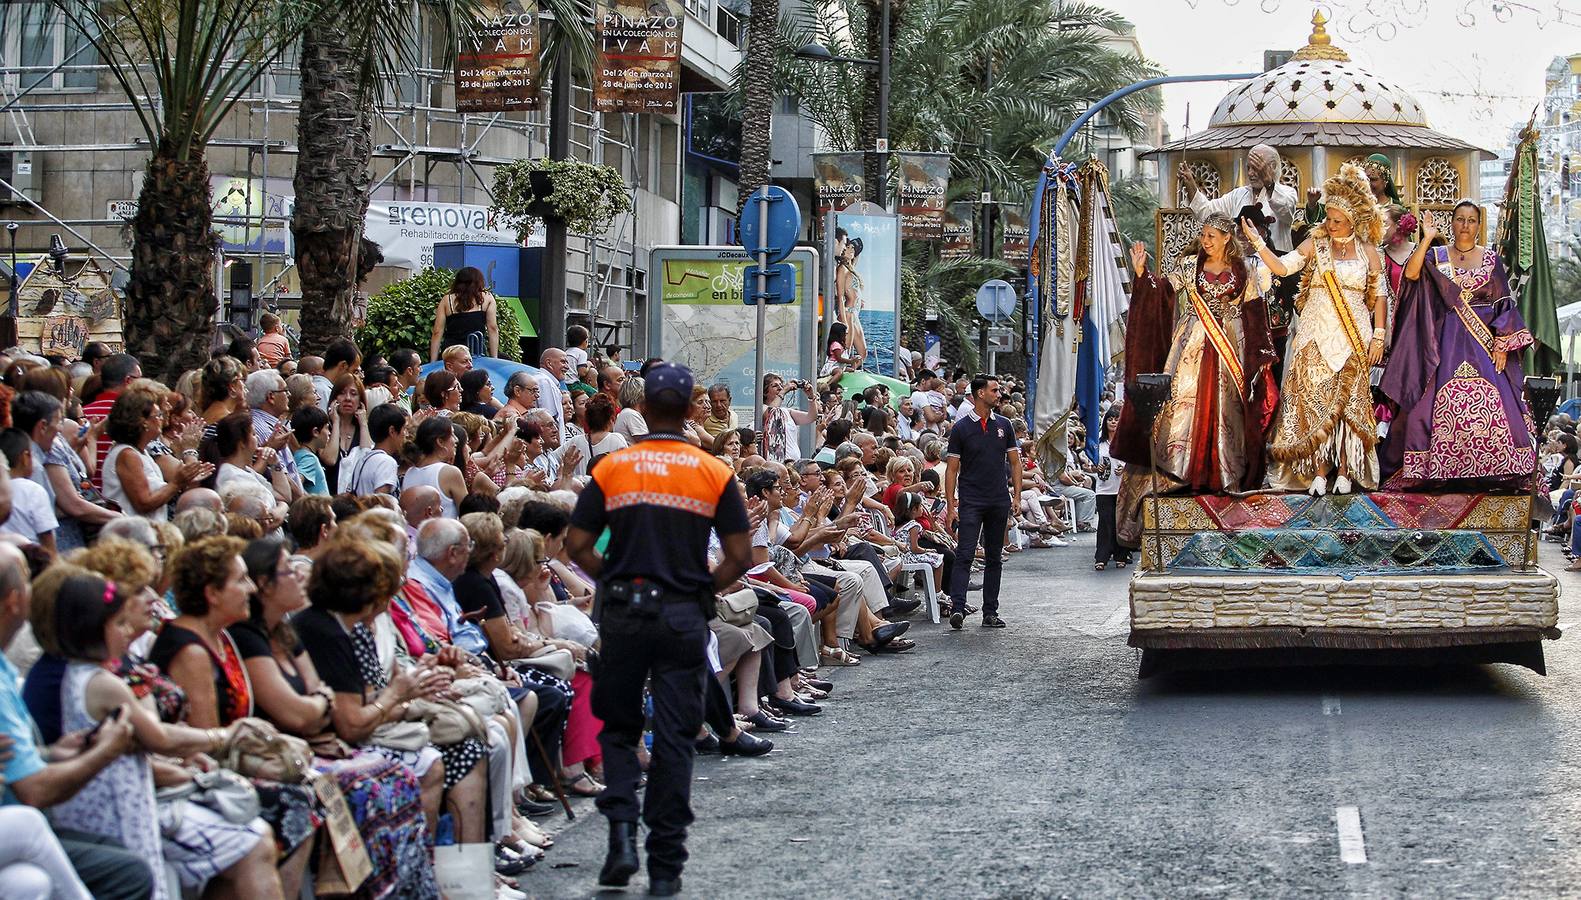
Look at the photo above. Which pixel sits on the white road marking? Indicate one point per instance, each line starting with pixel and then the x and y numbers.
pixel 1330 706
pixel 1352 846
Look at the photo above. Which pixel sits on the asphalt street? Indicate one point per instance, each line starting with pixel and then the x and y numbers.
pixel 1031 762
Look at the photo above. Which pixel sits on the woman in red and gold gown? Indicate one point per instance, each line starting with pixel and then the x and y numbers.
pixel 1207 326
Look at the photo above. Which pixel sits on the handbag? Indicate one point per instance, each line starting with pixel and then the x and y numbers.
pixel 485 696
pixel 258 750
pixel 737 608
pixel 328 745
pixel 221 790
pixel 408 736
pixel 556 661
pixel 448 722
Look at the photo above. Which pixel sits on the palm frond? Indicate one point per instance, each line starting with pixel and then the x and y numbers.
pixel 183 64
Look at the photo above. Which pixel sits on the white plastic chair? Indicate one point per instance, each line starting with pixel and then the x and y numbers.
pixel 930 592
pixel 1067 512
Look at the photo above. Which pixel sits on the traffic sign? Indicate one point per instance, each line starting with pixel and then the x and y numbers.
pixel 996 300
pixel 770 223
pixel 779 284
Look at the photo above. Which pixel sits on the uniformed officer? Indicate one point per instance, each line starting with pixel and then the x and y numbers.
pixel 660 499
pixel 983 460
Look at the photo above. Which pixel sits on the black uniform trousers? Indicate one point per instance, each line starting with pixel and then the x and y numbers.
pixel 974 519
pixel 670 648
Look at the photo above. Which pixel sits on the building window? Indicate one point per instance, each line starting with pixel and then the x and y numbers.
pixel 698 8
pixel 728 26
pixel 37 37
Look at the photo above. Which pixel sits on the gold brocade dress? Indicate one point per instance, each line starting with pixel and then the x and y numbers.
pixel 1325 425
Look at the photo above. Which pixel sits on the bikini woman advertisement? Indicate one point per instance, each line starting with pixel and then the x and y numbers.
pixel 864 295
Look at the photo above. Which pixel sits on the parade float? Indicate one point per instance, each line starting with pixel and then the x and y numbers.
pixel 1396 572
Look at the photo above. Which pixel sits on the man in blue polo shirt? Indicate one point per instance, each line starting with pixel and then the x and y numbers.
pixel 983 460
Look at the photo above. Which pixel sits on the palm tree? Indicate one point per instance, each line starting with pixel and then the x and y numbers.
pixel 183 64
pixel 756 84
pixel 359 50
pixel 991 82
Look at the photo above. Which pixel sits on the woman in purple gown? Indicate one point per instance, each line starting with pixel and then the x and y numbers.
pixel 1455 370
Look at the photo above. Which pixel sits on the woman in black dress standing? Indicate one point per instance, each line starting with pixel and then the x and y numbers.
pixel 466 316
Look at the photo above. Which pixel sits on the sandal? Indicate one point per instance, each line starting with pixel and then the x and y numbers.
pixel 1121 563
pixel 1099 567
pixel 834 656
pixel 582 785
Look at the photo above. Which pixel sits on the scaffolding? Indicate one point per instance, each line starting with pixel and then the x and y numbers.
pixel 416 139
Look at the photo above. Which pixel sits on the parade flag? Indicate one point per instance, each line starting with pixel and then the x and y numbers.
pixel 639 57
pixel 497 65
pixel 1107 295
pixel 960 230
pixel 924 180
pixel 1525 252
pixel 839 180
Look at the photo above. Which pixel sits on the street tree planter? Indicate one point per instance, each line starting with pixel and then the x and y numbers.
pixel 588 197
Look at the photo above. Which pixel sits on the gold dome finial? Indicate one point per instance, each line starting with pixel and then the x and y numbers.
pixel 1320 45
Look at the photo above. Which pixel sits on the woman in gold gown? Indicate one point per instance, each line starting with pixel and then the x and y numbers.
pixel 1326 435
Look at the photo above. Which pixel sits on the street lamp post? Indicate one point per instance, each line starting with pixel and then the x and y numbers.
pixel 820 53
pixel 11 229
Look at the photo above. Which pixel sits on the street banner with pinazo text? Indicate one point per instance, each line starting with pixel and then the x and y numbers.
pixel 1017 248
pixel 924 180
pixel 639 56
pixel 839 180
pixel 497 66
pixel 960 229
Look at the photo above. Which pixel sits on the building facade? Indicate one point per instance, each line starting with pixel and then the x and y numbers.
pixel 71 147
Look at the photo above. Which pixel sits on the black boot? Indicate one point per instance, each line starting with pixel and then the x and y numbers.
pixel 621 863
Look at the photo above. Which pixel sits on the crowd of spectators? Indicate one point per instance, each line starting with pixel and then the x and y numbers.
pixel 226 601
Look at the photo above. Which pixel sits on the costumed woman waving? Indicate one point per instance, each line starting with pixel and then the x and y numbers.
pixel 1209 437
pixel 1454 371
pixel 1326 434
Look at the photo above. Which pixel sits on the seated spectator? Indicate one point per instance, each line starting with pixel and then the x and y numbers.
pixel 272 345
pixel 435 447
pixel 350 587
pixel 384 796
pixel 477 394
pixel 132 480
pixel 93 624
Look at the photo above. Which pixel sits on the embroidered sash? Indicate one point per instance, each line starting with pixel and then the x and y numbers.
pixel 1460 300
pixel 1216 336
pixel 1341 308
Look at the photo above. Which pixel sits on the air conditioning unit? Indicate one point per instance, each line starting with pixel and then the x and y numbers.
pixel 17 169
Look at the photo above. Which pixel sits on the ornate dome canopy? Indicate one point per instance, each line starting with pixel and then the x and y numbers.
pixel 1318 84
pixel 1318 98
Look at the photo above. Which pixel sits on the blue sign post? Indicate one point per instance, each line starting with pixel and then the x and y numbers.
pixel 770 224
pixel 996 301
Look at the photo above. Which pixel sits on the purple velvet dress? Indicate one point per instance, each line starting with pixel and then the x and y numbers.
pixel 1459 416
